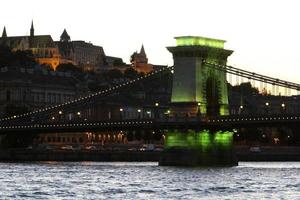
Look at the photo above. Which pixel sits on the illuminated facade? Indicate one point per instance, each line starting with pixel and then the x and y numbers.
pixel 88 56
pixel 197 88
pixel 139 61
pixel 44 50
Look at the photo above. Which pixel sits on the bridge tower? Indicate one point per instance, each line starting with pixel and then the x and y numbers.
pixel 198 88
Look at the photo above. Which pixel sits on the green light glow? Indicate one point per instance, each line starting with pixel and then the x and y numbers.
pixel 224 110
pixel 199 41
pixel 202 140
pixel 223 138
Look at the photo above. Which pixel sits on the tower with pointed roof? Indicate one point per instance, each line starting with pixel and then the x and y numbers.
pixel 65 47
pixel 31 30
pixel 142 51
pixel 65 36
pixel 140 61
pixel 139 58
pixel 4 35
pixel 31 36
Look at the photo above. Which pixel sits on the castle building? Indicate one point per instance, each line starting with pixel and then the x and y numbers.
pixel 139 61
pixel 65 48
pixel 48 52
pixel 88 56
pixel 42 47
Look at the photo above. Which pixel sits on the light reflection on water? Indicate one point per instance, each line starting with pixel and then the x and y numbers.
pixel 116 180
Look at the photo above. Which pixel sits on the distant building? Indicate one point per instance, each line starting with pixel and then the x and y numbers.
pixel 65 48
pixel 263 104
pixel 42 46
pixel 116 63
pixel 46 51
pixel 23 90
pixel 88 56
pixel 139 61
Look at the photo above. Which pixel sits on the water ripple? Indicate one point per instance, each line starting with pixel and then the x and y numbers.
pixel 96 180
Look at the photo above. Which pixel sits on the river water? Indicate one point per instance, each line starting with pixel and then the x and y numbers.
pixel 96 180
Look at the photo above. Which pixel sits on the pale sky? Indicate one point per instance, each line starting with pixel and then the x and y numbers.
pixel 264 34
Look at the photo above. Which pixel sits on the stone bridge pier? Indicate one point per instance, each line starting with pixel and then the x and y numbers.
pixel 198 90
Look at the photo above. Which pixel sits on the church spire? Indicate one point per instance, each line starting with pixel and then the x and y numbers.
pixel 65 36
pixel 142 52
pixel 32 29
pixel 4 35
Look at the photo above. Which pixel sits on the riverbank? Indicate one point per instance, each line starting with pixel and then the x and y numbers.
pixel 101 156
pixel 268 153
pixel 243 154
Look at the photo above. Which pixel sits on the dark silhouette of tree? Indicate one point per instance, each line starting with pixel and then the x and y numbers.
pixel 244 89
pixel 18 58
pixel 113 74
pixel 69 67
pixel 131 73
pixel 24 58
pixel 118 62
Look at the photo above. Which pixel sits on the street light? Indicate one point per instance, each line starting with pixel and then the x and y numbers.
pixel 283 107
pixel 78 113
pixel 60 112
pixel 267 105
pixel 241 109
pixel 149 114
pixel 156 104
pixel 198 109
pixel 139 113
pixel 121 111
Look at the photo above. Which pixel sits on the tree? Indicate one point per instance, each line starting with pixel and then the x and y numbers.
pixel 114 74
pixel 24 58
pixel 16 59
pixel 118 62
pixel 244 89
pixel 68 67
pixel 132 57
pixel 131 73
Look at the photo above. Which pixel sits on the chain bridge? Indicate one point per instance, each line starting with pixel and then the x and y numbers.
pixel 200 100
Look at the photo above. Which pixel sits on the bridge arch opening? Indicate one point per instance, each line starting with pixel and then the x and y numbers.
pixel 212 97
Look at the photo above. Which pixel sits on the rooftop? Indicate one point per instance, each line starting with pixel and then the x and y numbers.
pixel 199 41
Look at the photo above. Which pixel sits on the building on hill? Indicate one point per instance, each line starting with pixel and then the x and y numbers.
pixel 46 51
pixel 43 47
pixel 27 89
pixel 116 63
pixel 139 61
pixel 65 48
pixel 88 56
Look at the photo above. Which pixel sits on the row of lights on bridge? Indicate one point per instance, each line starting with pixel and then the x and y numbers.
pixel 61 112
pixel 121 110
pixel 91 95
pixel 77 124
pixel 139 110
pixel 266 104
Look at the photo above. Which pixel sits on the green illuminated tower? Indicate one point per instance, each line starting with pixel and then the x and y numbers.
pixel 197 87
